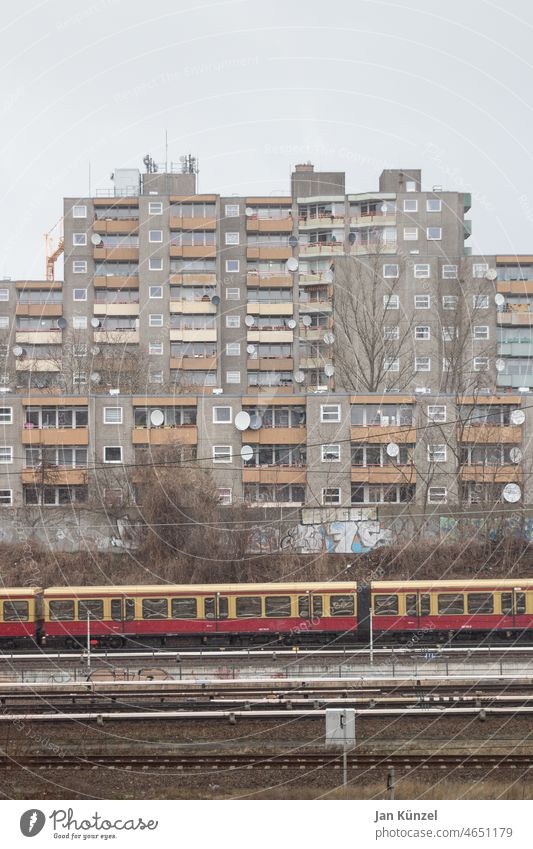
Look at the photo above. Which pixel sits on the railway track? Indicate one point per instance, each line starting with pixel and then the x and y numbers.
pixel 302 761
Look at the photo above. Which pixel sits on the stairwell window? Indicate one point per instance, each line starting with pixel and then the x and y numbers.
pixel 331 495
pixel 79 211
pixel 434 234
pixel 79 266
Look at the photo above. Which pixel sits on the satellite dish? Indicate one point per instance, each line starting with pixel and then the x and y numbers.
pixel 292 264
pixel 299 377
pixel 329 276
pixel 351 238
pixel 512 493
pixel 95 350
pixel 499 300
pixel 307 320
pixel 384 208
pixel 215 300
pixel 61 323
pixel 256 421
pixel 249 321
pixel 157 418
pixel 291 323
pixel 95 322
pixel 491 274
pixel 329 370
pixel 242 420
pixel 96 239
pixel 515 455
pixel 392 449
pixel 218 391
pixel 18 351
pixel 293 241
pixel 247 453
pixel 249 212
pixel 95 377
pixel 500 365
pixel 250 349
pixel 518 417
pixel 329 338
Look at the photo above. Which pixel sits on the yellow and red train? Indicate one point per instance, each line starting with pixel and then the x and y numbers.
pixel 248 614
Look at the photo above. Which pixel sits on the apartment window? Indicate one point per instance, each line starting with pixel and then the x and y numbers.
pixel 391 270
pixel 449 332
pixel 449 302
pixel 437 413
pixel 433 205
pixel 391 364
pixel 222 415
pixel 4 294
pixel 6 497
pixel 331 453
pixel 233 349
pixel 480 302
pixel 479 269
pixel 436 453
pixel 437 495
pixel 155 320
pixel 155 263
pixel 224 495
pixel 155 236
pixel 233 294
pixel 233 321
pixel 233 377
pixel 410 186
pixel 449 272
pixel 112 415
pixel 232 266
pixel 330 412
pixel 155 208
pixel 155 292
pixel 79 322
pixel 221 453
pixel 6 454
pixel 113 454
pixel 155 377
pixel 434 234
pixel 6 415
pixel 422 332
pixel 4 322
pixel 155 347
pixel 481 363
pixel 79 266
pixel 79 294
pixel 446 364
pixel 391 332
pixel 422 302
pixel 481 331
pixel 231 210
pixel 232 238
pixel 422 270
pixel 331 495
pixel 79 239
pixel 410 234
pixel 79 211
pixel 422 363
pixel 410 205
pixel 391 302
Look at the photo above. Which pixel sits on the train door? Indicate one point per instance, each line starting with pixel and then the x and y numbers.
pixel 513 605
pixel 216 609
pixel 122 612
pixel 418 607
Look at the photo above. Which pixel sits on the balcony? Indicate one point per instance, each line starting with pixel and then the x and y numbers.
pixel 197 307
pixel 373 219
pixel 44 310
pixel 111 282
pixel 38 337
pixel 118 226
pixel 315 306
pixel 515 287
pixel 34 364
pixel 514 381
pixel 270 336
pixel 168 435
pixel 483 433
pixel 313 362
pixel 266 252
pixel 277 436
pixel 285 308
pixel 54 476
pixel 118 253
pixel 402 474
pixel 320 222
pixel 193 279
pixel 55 436
pixel 484 473
pixel 387 433
pixel 269 225
pixel 188 223
pixel 116 308
pixel 191 363
pixel 269 279
pixel 270 364
pixel 183 334
pixel 116 337
pixel 274 474
pixel 374 247
pixel 322 249
pixel 515 349
pixel 193 251
pixel 313 333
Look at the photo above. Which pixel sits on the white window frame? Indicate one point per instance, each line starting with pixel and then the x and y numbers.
pixel 4 294
pixel 233 377
pixel 437 413
pixel 434 238
pixel 79 322
pixel 233 266
pixel 330 413
pixel 233 293
pixel 216 420
pixel 155 319
pixel 422 302
pixel 8 448
pixel 480 302
pixel 437 453
pixel 232 238
pixel 79 240
pixel 79 210
pixel 449 272
pixel 79 266
pixel 76 293
pixel 222 454
pixel 391 364
pixel 233 322
pixel 155 263
pixel 113 410
pixel 437 201
pixel 151 291
pixel 391 302
pixel 334 501
pixel 410 234
pixel 449 332
pixel 481 332
pixel 422 271
pixel 433 498
pixel 333 448
pixel 112 462
pixel 481 363
pixel 418 361
pixel 450 302
pixel 479 269
pixel 236 346
pixel 4 322
pixel 395 271
pixel 9 416
pixel 410 205
pixel 410 186
pixel 155 377
pixel 422 333
pixel 153 237
pixel 6 500
pixel 155 207
pixel 391 332
pixel 155 347
pixel 225 499
pixel 232 210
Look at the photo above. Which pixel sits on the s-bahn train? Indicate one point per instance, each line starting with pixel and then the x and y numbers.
pixel 265 614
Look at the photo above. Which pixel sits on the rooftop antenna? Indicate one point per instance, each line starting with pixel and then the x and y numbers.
pixel 166 151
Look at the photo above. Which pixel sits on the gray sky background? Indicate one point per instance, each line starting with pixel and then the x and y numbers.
pixel 253 87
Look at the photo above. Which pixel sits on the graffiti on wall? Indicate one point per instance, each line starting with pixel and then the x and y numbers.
pixel 327 537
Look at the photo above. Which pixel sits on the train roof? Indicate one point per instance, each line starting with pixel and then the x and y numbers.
pixel 462 583
pixel 323 586
pixel 9 592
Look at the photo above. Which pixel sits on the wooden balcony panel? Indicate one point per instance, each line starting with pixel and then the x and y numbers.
pixel 269 225
pixel 277 436
pixel 186 435
pixel 115 201
pixel 285 308
pixel 45 310
pixel 45 285
pixel 164 401
pixel 489 433
pixel 191 363
pixel 188 223
pixel 384 474
pixel 54 476
pixel 264 252
pixel 119 226
pixel 101 282
pixel 377 434
pixel 126 254
pixel 491 474
pixel 264 281
pixel 193 251
pixel 292 474
pixel 59 401
pixel 270 364
pixel 193 279
pixel 55 436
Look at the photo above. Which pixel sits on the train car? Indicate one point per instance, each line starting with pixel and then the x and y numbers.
pixel 438 609
pixel 227 614
pixel 20 616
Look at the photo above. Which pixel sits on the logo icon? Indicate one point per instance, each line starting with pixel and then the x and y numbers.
pixel 32 822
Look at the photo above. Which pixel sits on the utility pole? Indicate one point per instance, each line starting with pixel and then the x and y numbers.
pixel 390 782
pixel 371 636
pixel 88 640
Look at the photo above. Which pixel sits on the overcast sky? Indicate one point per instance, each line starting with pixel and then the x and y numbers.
pixel 251 88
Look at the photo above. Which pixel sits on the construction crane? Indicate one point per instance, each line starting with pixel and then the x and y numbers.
pixel 53 254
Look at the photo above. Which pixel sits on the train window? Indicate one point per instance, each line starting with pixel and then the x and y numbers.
pixel 410 604
pixel 451 603
pixel 278 605
pixel 16 611
pixel 341 605
pixel 303 606
pixel 425 605
pixel 223 607
pixel 116 609
pixel 519 603
pixel 155 608
pixel 209 607
pixel 129 605
pixel 61 610
pixel 318 606
pixel 480 603
pixel 386 605
pixel 184 608
pixel 92 607
pixel 248 607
